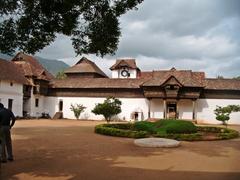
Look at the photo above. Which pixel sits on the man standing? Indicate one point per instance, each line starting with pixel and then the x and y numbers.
pixel 7 120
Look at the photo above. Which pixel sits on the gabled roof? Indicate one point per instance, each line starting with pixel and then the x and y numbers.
pixel 222 84
pixel 31 67
pixel 102 83
pixel 184 77
pixel 11 72
pixel 84 65
pixel 130 63
pixel 172 81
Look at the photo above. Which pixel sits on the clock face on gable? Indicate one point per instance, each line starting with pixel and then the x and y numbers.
pixel 125 73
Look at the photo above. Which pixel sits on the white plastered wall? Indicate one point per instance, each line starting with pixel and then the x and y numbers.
pixel 129 105
pixel 205 110
pixel 185 109
pixel 31 108
pixel 156 108
pixel 42 107
pixel 14 92
pixel 117 73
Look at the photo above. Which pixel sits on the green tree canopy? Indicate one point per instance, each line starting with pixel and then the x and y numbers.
pixel 31 25
pixel 109 108
pixel 223 113
pixel 61 75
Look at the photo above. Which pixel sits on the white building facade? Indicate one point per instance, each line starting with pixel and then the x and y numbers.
pixel 181 94
pixel 11 96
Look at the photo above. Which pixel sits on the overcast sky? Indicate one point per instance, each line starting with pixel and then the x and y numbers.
pixel 202 35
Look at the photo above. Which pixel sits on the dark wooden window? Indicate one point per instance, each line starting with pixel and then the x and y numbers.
pixel 60 105
pixel 36 102
pixel 10 104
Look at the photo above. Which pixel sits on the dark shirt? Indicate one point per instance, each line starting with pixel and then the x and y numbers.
pixel 6 116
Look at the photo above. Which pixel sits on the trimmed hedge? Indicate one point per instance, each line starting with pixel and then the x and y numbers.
pixel 182 137
pixel 126 126
pixel 161 129
pixel 105 129
pixel 222 133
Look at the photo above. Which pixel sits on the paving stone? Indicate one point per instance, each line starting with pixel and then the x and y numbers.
pixel 156 142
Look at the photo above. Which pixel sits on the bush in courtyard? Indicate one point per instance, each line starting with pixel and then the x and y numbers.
pixel 222 133
pixel 144 130
pixel 110 130
pixel 223 113
pixel 182 137
pixel 77 109
pixel 109 108
pixel 145 126
pixel 175 126
pixel 126 126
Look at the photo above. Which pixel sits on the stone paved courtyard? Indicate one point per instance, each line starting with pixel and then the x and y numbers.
pixel 69 149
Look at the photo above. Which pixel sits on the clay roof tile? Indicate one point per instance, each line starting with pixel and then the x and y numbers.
pixel 11 72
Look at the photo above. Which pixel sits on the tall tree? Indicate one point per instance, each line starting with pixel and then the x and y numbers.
pixel 109 108
pixel 31 25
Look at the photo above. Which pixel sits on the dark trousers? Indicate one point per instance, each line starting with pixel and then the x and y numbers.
pixel 6 143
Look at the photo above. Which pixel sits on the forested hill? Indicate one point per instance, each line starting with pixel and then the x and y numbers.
pixel 52 65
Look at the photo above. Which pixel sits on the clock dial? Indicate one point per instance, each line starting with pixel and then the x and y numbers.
pixel 125 73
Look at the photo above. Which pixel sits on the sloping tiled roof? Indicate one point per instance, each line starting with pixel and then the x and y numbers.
pixel 96 83
pixel 131 63
pixel 222 84
pixel 31 67
pixel 84 65
pixel 146 74
pixel 11 72
pixel 185 77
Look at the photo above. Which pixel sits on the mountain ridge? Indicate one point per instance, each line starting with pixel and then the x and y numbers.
pixel 52 65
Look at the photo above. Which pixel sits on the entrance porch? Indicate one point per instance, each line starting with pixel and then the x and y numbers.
pixel 172 108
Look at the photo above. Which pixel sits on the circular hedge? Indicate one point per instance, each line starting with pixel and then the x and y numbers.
pixel 172 129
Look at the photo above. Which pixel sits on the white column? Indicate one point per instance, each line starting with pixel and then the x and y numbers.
pixel 164 109
pixel 177 109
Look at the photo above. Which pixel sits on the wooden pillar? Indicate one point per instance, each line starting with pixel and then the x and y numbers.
pixel 177 109
pixel 149 108
pixel 193 109
pixel 164 109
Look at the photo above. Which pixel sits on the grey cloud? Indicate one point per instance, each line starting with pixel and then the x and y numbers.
pixel 202 35
pixel 171 47
pixel 183 17
pixel 231 68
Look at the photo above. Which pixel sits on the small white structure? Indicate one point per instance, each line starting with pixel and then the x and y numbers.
pixel 125 68
pixel 157 142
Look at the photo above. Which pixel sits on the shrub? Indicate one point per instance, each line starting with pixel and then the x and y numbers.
pixel 182 137
pixel 222 133
pixel 111 131
pixel 109 108
pixel 145 126
pixel 145 129
pixel 229 135
pixel 77 109
pixel 223 113
pixel 126 126
pixel 175 126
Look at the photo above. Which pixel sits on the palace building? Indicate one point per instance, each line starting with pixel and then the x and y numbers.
pixel 29 89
